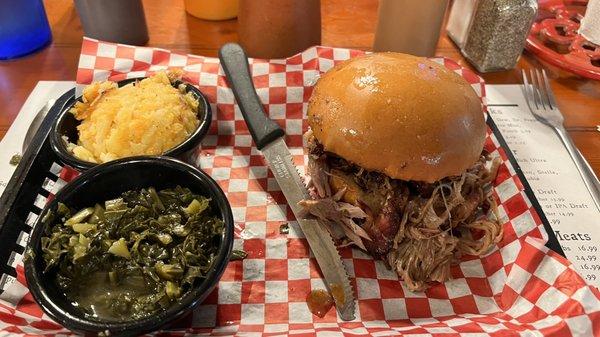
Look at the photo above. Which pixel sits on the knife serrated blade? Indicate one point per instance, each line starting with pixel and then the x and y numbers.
pixel 269 139
pixel 280 161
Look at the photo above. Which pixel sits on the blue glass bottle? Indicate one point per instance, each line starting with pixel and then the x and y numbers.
pixel 24 27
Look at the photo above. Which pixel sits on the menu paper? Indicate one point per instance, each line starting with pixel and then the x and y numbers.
pixel 553 177
pixel 12 143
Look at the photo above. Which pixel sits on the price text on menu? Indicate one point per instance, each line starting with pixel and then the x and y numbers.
pixel 555 182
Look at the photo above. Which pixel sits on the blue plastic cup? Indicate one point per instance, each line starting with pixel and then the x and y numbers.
pixel 24 28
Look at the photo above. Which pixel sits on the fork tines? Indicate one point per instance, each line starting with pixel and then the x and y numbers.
pixel 538 93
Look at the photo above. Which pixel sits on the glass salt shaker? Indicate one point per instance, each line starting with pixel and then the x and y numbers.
pixel 498 32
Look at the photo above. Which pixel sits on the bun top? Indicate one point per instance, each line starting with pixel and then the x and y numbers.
pixel 398 114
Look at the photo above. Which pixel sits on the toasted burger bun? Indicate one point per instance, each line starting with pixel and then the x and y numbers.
pixel 402 115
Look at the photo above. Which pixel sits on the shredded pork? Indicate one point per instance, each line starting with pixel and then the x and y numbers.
pixel 419 229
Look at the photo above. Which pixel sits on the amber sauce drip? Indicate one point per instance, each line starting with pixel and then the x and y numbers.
pixel 338 294
pixel 319 302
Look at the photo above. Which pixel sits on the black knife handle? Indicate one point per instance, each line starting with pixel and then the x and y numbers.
pixel 235 63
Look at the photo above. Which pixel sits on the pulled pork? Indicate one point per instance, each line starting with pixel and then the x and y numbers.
pixel 419 229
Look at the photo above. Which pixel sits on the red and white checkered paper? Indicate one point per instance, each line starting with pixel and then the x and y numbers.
pixel 520 288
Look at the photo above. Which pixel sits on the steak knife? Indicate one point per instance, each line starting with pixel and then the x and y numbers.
pixel 35 124
pixel 269 139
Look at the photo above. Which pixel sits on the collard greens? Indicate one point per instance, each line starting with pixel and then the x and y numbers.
pixel 133 255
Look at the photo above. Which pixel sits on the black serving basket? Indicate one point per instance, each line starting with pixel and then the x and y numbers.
pixel 18 210
pixel 17 204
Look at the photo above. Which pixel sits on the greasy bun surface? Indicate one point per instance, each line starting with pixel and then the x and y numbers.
pixel 402 115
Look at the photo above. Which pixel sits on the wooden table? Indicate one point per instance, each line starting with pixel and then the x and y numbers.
pixel 347 24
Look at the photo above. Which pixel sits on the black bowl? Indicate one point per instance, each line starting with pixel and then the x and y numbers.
pixel 66 125
pixel 108 181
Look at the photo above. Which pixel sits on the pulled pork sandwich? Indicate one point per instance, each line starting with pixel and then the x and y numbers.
pixel 397 164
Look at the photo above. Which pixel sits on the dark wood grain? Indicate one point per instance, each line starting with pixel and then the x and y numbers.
pixel 349 24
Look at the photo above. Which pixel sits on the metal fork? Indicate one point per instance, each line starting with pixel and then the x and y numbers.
pixel 542 104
